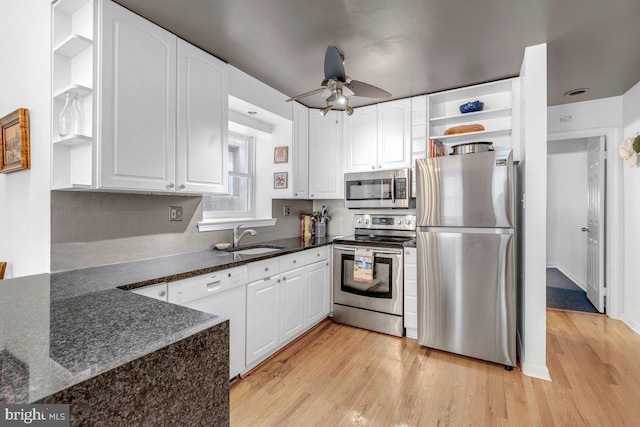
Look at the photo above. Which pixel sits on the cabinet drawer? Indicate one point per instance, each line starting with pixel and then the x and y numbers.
pixel 291 261
pixel 263 269
pixel 410 272
pixel 316 254
pixel 410 288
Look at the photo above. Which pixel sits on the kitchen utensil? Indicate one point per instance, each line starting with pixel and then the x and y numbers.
pixel 472 147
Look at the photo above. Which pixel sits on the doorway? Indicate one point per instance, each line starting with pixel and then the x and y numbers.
pixel 576 205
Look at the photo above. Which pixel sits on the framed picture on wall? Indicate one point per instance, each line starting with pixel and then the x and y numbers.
pixel 280 180
pixel 14 141
pixel 281 155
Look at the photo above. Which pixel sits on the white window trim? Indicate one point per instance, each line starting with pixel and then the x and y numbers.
pixel 223 216
pixel 230 223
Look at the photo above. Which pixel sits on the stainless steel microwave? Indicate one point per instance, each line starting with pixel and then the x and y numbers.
pixel 390 189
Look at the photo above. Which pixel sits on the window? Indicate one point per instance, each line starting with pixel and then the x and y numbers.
pixel 238 203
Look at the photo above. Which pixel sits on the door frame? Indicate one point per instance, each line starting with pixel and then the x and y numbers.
pixel 613 224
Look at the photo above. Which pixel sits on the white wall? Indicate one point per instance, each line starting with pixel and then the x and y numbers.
pixel 532 292
pixel 631 122
pixel 591 118
pixel 25 83
pixel 566 214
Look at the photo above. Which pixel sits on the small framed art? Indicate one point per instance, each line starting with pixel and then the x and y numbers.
pixel 280 180
pixel 14 141
pixel 281 154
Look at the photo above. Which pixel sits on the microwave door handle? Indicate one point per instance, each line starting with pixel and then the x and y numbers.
pixel 393 189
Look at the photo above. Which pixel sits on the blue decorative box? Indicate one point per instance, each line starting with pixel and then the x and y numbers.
pixel 470 107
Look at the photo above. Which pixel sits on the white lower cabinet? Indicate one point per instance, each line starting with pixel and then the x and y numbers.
pixel 292 307
pixel 411 292
pixel 318 285
pixel 263 305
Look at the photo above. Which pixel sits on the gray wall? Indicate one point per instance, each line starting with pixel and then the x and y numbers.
pixel 92 229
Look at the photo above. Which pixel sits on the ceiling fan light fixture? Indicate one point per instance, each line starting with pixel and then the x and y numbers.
pixel 325 110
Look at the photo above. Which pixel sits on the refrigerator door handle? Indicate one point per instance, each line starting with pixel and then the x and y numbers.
pixel 466 230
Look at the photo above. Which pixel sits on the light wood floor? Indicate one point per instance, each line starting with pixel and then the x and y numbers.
pixel 337 375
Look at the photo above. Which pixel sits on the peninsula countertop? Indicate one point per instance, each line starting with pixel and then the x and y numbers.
pixel 57 330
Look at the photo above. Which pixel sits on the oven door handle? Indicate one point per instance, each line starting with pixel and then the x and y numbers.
pixel 376 251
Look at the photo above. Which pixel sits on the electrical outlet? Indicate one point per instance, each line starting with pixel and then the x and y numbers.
pixel 175 213
pixel 286 210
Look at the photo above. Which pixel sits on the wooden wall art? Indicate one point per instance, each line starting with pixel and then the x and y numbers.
pixel 15 152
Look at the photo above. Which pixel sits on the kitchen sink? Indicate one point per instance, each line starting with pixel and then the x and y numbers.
pixel 256 249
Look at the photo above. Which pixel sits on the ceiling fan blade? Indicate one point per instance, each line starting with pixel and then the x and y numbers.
pixel 304 95
pixel 368 91
pixel 333 67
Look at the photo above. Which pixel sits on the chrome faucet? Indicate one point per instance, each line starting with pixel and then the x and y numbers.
pixel 237 238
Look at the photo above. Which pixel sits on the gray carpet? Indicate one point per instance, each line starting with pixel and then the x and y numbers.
pixel 563 293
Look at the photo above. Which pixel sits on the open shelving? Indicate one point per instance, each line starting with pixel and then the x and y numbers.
pixel 72 72
pixel 499 116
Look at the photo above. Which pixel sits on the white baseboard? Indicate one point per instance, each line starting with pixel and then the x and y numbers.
pixel 631 323
pixel 536 371
pixel 570 276
pixel 531 369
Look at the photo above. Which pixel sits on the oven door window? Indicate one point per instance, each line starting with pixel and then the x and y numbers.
pixel 369 189
pixel 382 278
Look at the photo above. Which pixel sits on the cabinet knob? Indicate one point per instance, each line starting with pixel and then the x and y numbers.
pixel 162 293
pixel 312 195
pixel 294 261
pixel 327 264
pixel 266 269
pixel 284 278
pixel 379 166
pixel 278 280
pixel 373 167
pixel 170 186
pixel 317 254
pixel 295 194
pixel 182 187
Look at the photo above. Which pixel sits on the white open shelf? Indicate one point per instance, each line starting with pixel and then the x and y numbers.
pixel 471 136
pixel 72 45
pixel 484 114
pixel 79 90
pixel 72 140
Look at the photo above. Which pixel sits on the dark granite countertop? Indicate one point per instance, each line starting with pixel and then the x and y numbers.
pixel 58 330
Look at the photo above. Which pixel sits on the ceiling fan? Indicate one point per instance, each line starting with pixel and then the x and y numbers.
pixel 338 86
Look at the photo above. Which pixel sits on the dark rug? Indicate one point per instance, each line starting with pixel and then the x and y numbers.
pixel 569 300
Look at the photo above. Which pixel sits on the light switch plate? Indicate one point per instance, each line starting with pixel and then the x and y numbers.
pixel 175 213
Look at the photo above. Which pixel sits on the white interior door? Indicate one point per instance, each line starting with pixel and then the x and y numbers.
pixel 595 222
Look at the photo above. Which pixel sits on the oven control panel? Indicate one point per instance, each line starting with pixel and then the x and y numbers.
pixel 385 222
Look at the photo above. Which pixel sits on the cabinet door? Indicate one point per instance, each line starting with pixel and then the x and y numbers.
pixel 262 318
pixel 137 92
pixel 394 134
pixel 300 151
pixel 361 139
pixel 318 304
pixel 202 121
pixel 325 155
pixel 292 298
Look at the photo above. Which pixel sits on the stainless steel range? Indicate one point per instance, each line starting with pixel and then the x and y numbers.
pixel 375 303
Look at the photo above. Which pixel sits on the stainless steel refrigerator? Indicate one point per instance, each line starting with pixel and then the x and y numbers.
pixel 466 255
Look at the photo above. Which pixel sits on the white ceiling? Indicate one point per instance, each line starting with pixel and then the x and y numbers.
pixel 412 47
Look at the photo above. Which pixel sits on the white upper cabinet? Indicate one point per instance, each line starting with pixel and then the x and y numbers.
pixel 154 107
pixel 325 155
pixel 300 151
pixel 137 103
pixel 394 134
pixel 379 137
pixel 202 121
pixel 361 139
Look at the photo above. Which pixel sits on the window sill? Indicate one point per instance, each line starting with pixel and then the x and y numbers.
pixel 230 223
